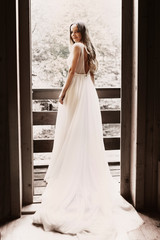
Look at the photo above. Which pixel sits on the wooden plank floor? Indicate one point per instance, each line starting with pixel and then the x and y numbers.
pixel 22 229
pixel 40 168
pixel 39 183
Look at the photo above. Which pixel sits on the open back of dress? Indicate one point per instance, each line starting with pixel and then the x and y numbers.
pixel 82 66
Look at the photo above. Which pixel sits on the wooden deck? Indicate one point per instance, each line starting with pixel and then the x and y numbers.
pixel 40 168
pixel 39 186
pixel 22 229
pixel 47 117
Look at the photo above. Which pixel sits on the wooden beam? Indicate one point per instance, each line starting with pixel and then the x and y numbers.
pixel 126 96
pixel 110 116
pixel 156 137
pixel 138 164
pixel 50 93
pixel 133 157
pixel 43 145
pixel 46 145
pixel 13 103
pixel 53 93
pixel 111 143
pixel 152 153
pixel 49 118
pixel 5 185
pixel 44 118
pixel 26 100
pixel 158 194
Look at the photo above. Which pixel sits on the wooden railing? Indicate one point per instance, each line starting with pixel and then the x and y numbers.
pixel 45 145
pixel 49 117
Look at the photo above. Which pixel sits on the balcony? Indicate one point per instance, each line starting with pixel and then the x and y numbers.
pixel 44 146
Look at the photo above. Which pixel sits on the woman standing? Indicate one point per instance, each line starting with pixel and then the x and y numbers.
pixel 80 198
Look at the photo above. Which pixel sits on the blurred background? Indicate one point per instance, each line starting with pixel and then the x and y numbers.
pixel 50 39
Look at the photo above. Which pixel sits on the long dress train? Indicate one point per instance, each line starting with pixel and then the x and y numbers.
pixel 80 198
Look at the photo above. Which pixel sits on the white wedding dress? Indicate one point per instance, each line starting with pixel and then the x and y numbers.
pixel 80 198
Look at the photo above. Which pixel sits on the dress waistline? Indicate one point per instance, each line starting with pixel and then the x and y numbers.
pixel 83 74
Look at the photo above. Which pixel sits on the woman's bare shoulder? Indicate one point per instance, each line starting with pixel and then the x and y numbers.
pixel 77 48
pixel 78 45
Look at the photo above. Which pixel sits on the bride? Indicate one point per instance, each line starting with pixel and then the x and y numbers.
pixel 81 199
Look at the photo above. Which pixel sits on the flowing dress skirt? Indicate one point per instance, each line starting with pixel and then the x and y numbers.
pixel 81 198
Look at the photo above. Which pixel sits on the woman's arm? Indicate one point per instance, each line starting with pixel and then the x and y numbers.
pixel 76 54
pixel 92 77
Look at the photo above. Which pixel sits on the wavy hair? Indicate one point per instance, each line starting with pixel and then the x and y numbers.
pixel 92 61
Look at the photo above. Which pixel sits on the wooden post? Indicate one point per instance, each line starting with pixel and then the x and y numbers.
pixel 133 157
pixel 142 105
pixel 5 186
pixel 12 76
pixel 156 137
pixel 126 96
pixel 158 195
pixel 146 152
pixel 153 105
pixel 26 100
pixel 132 115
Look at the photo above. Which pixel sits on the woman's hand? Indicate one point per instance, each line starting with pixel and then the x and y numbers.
pixel 61 97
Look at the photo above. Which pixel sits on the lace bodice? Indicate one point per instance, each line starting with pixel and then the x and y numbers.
pixel 80 68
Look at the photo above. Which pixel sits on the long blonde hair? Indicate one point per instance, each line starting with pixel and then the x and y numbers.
pixel 92 61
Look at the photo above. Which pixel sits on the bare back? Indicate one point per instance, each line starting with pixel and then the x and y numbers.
pixel 82 64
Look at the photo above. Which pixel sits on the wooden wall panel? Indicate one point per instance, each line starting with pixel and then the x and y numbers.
pixel 10 169
pixel 126 96
pixel 156 136
pixel 144 165
pixel 133 159
pixel 150 81
pixel 5 208
pixel 26 100
pixel 153 105
pixel 12 76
